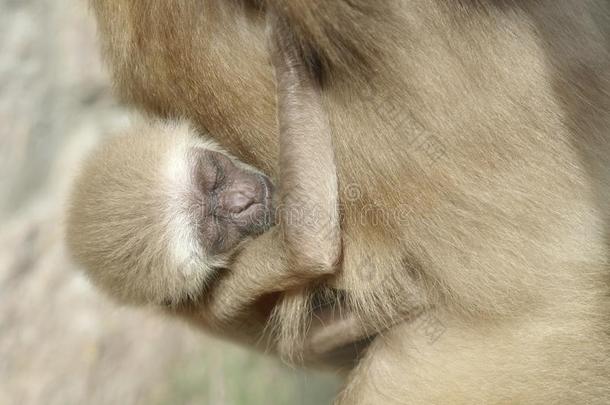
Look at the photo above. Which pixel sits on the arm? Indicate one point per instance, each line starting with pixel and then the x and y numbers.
pixel 309 214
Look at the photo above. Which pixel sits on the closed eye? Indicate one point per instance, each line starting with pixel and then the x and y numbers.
pixel 220 178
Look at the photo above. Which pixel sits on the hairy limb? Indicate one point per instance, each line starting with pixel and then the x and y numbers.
pixel 307 242
pixel 437 358
pixel 309 211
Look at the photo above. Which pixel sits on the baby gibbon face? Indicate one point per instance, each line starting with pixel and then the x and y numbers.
pixel 231 202
pixel 159 209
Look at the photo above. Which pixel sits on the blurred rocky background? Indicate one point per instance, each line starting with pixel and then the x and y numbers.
pixel 61 342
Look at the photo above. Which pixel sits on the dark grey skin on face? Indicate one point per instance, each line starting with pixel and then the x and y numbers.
pixel 230 202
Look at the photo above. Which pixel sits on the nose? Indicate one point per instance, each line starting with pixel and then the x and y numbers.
pixel 239 200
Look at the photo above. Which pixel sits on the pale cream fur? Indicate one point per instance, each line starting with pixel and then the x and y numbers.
pixel 504 239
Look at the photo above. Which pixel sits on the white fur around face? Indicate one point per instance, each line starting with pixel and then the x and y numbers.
pixel 184 246
pixel 187 252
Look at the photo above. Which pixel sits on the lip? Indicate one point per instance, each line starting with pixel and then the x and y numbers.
pixel 267 198
pixel 268 190
pixel 258 217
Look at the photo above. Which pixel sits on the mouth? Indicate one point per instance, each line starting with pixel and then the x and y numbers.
pixel 258 216
pixel 262 212
pixel 267 192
